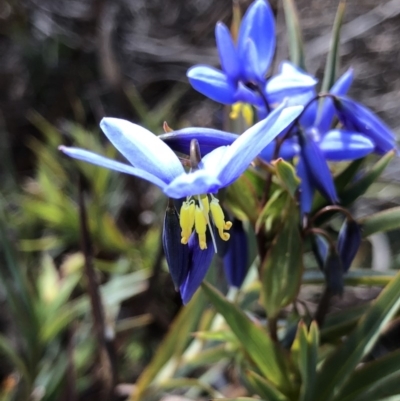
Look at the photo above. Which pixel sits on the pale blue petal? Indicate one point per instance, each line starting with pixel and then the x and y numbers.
pixel 142 148
pixel 258 24
pixel 102 161
pixel 289 149
pixel 340 145
pixel 212 160
pixel 290 80
pixel 247 147
pixel 212 83
pixel 196 183
pixel 227 51
pixel 340 88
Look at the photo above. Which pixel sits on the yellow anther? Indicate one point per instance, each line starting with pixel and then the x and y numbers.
pixel 186 220
pixel 206 204
pixel 200 224
pixel 242 110
pixel 219 219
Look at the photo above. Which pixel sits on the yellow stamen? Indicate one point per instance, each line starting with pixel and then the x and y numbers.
pixel 200 224
pixel 219 219
pixel 242 110
pixel 187 217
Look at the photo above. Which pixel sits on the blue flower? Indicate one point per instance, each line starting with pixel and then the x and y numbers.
pixel 154 161
pixel 244 64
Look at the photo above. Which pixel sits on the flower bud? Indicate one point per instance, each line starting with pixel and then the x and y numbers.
pixel 349 241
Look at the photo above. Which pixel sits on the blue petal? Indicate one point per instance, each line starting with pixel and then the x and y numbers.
pixel 290 81
pixel 200 261
pixel 247 147
pixel 320 247
pixel 235 260
pixel 102 161
pixel 307 188
pixel 289 149
pixel 250 69
pixel 246 95
pixel 258 24
pixel 357 117
pixel 340 145
pixel 212 83
pixel 349 241
pixel 176 254
pixel 340 88
pixel 196 183
pixel 317 168
pixel 142 148
pixel 227 52
pixel 208 138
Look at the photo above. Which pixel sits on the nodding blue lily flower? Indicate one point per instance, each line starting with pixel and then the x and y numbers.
pixel 244 64
pixel 154 161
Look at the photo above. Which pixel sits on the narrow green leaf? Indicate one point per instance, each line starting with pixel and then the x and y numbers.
pixel 295 37
pixel 359 187
pixel 272 211
pixel 263 388
pixel 369 375
pixel 332 62
pixel 282 268
pixel 287 174
pixel 342 363
pixel 173 344
pixel 382 221
pixel 266 354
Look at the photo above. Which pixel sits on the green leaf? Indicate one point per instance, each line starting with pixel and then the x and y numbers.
pixel 266 354
pixel 305 352
pixel 238 399
pixel 272 211
pixel 332 62
pixel 369 375
pixel 241 197
pixel 295 37
pixel 263 388
pixel 173 344
pixel 287 174
pixel 282 268
pixel 382 221
pixel 359 187
pixel 341 364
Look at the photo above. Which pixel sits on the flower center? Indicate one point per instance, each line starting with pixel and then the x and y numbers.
pixel 195 213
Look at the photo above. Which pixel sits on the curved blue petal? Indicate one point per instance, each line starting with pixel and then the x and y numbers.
pixel 246 95
pixel 196 183
pixel 349 241
pixel 142 148
pixel 208 138
pixel 340 145
pixel 307 188
pixel 290 81
pixel 102 161
pixel 227 51
pixel 317 168
pixel 200 260
pixel 340 88
pixel 357 117
pixel 246 148
pixel 212 83
pixel 258 24
pixel 289 149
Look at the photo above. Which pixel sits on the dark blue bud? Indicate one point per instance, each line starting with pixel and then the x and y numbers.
pixel 333 271
pixel 320 248
pixel 356 117
pixel 349 241
pixel 176 254
pixel 235 260
pixel 199 262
